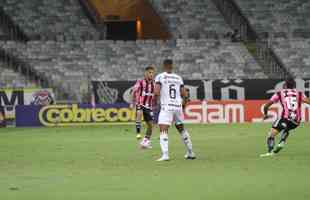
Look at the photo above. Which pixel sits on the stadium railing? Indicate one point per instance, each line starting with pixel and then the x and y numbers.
pixel 257 45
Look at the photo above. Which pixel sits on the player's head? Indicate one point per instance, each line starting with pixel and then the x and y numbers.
pixel 290 83
pixel 149 72
pixel 168 65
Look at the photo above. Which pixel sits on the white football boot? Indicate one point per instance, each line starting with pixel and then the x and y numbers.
pixel 163 158
pixel 267 154
pixel 146 144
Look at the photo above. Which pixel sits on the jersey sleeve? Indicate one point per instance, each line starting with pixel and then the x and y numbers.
pixel 136 91
pixel 181 82
pixel 275 98
pixel 158 79
pixel 136 87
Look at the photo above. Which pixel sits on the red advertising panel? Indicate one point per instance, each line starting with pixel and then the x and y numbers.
pixel 233 111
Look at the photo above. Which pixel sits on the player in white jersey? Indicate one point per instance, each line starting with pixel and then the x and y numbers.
pixel 169 87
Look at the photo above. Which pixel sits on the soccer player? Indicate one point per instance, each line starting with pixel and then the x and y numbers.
pixel 143 99
pixel 291 100
pixel 169 87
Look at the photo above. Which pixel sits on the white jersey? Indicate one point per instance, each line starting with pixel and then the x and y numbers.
pixel 170 93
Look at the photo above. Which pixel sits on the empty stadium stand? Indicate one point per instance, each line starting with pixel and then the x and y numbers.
pixel 66 50
pixel 51 19
pixel 192 19
pixel 71 64
pixel 12 79
pixel 279 18
pixel 295 55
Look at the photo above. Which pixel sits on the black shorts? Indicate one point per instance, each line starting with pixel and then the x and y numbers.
pixel 148 114
pixel 284 124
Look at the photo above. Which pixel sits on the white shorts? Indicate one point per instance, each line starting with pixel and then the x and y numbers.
pixel 167 117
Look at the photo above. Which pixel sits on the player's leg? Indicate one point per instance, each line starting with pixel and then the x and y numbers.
pixel 149 130
pixel 149 118
pixel 164 142
pixel 146 141
pixel 185 136
pixel 186 140
pixel 283 136
pixel 271 139
pixel 164 121
pixel 139 114
pixel 276 127
pixel 270 142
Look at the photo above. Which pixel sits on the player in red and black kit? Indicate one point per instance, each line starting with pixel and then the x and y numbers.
pixel 143 100
pixel 291 100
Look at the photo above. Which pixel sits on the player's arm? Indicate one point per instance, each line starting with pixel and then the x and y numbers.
pixel 275 98
pixel 306 100
pixel 133 98
pixel 157 89
pixel 266 108
pixel 184 95
pixel 135 93
pixel 183 91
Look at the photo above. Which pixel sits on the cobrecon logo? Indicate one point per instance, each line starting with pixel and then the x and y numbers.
pixel 71 115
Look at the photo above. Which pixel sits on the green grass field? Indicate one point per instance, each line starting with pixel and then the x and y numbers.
pixel 105 163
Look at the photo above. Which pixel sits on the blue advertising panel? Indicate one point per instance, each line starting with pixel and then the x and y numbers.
pixel 72 115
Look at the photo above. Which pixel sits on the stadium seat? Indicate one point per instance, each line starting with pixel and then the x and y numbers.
pixel 196 19
pixel 51 20
pixel 66 62
pixel 295 55
pixel 11 79
pixel 278 16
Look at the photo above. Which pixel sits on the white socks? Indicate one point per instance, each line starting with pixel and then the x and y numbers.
pixel 164 144
pixel 187 141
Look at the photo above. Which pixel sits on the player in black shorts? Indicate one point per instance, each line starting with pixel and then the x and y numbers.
pixel 290 100
pixel 143 100
pixel 147 113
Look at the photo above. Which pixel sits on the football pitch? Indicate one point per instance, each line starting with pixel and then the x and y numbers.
pixel 105 163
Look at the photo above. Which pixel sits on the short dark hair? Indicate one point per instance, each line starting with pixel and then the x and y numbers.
pixel 168 62
pixel 150 67
pixel 290 83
